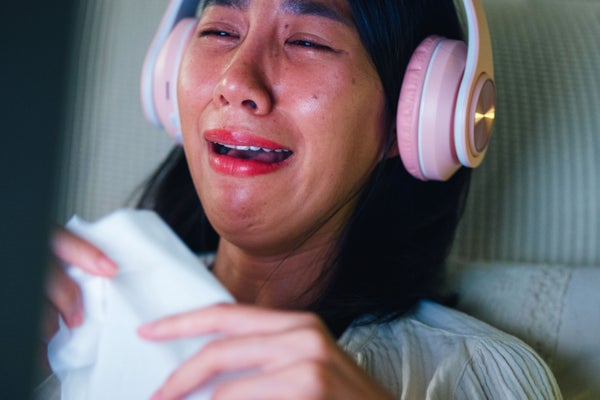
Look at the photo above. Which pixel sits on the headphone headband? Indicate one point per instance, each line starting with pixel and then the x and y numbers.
pixel 479 69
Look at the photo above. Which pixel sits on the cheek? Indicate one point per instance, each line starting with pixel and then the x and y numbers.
pixel 344 150
pixel 194 89
pixel 348 126
pixel 366 119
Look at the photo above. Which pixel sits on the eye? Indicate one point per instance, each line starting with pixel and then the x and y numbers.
pixel 217 33
pixel 309 44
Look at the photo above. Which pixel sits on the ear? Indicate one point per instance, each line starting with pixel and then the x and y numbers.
pixel 393 150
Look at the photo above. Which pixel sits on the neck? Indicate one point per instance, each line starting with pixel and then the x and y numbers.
pixel 289 281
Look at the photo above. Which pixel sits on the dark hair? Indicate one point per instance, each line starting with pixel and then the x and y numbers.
pixel 391 252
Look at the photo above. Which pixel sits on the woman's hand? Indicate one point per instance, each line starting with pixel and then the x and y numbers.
pixel 62 293
pixel 293 352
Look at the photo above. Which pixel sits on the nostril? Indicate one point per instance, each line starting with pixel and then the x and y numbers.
pixel 223 100
pixel 250 103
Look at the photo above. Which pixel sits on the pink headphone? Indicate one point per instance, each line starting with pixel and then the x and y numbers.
pixel 447 101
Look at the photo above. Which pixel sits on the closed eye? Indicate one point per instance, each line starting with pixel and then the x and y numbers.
pixel 310 45
pixel 217 33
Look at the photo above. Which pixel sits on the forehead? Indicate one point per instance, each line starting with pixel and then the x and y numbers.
pixel 338 10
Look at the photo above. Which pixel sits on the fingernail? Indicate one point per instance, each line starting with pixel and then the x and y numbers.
pixel 107 266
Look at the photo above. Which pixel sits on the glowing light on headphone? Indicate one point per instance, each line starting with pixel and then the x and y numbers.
pixel 489 115
pixel 484 116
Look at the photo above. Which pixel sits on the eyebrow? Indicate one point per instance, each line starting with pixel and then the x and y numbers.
pixel 241 4
pixel 296 7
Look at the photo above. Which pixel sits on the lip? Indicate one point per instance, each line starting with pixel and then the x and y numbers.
pixel 241 167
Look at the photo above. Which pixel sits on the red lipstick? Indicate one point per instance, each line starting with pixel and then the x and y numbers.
pixel 244 154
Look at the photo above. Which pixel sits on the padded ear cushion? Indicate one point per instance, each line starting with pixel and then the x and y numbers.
pixel 409 105
pixel 166 73
pixel 427 107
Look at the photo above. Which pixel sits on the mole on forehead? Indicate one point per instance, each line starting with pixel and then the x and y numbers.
pixel 298 7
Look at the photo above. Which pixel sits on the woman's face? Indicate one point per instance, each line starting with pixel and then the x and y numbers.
pixel 282 119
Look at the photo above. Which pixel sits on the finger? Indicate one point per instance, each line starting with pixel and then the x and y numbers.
pixel 239 384
pixel 265 353
pixel 306 380
pixel 77 251
pixel 227 319
pixel 309 379
pixel 65 296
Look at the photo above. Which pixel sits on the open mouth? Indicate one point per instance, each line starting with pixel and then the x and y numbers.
pixel 252 153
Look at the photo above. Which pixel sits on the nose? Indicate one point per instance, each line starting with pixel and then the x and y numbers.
pixel 244 82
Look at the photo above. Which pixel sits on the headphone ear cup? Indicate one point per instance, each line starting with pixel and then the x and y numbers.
pixel 166 72
pixel 409 105
pixel 426 108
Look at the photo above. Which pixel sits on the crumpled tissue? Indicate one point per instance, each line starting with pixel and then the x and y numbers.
pixel 104 358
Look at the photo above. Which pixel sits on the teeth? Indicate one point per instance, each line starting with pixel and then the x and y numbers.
pixel 252 148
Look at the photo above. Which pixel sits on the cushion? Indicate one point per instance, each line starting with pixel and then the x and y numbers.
pixel 553 308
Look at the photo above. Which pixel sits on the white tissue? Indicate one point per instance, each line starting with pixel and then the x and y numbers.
pixel 158 276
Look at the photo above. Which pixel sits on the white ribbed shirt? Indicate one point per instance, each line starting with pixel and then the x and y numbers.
pixel 439 353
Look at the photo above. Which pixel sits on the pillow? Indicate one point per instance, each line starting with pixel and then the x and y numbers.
pixel 555 309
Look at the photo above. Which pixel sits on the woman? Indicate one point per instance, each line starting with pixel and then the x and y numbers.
pixel 289 174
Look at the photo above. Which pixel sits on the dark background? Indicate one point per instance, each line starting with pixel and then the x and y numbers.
pixel 35 45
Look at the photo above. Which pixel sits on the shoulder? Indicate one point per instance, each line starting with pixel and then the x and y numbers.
pixel 436 352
